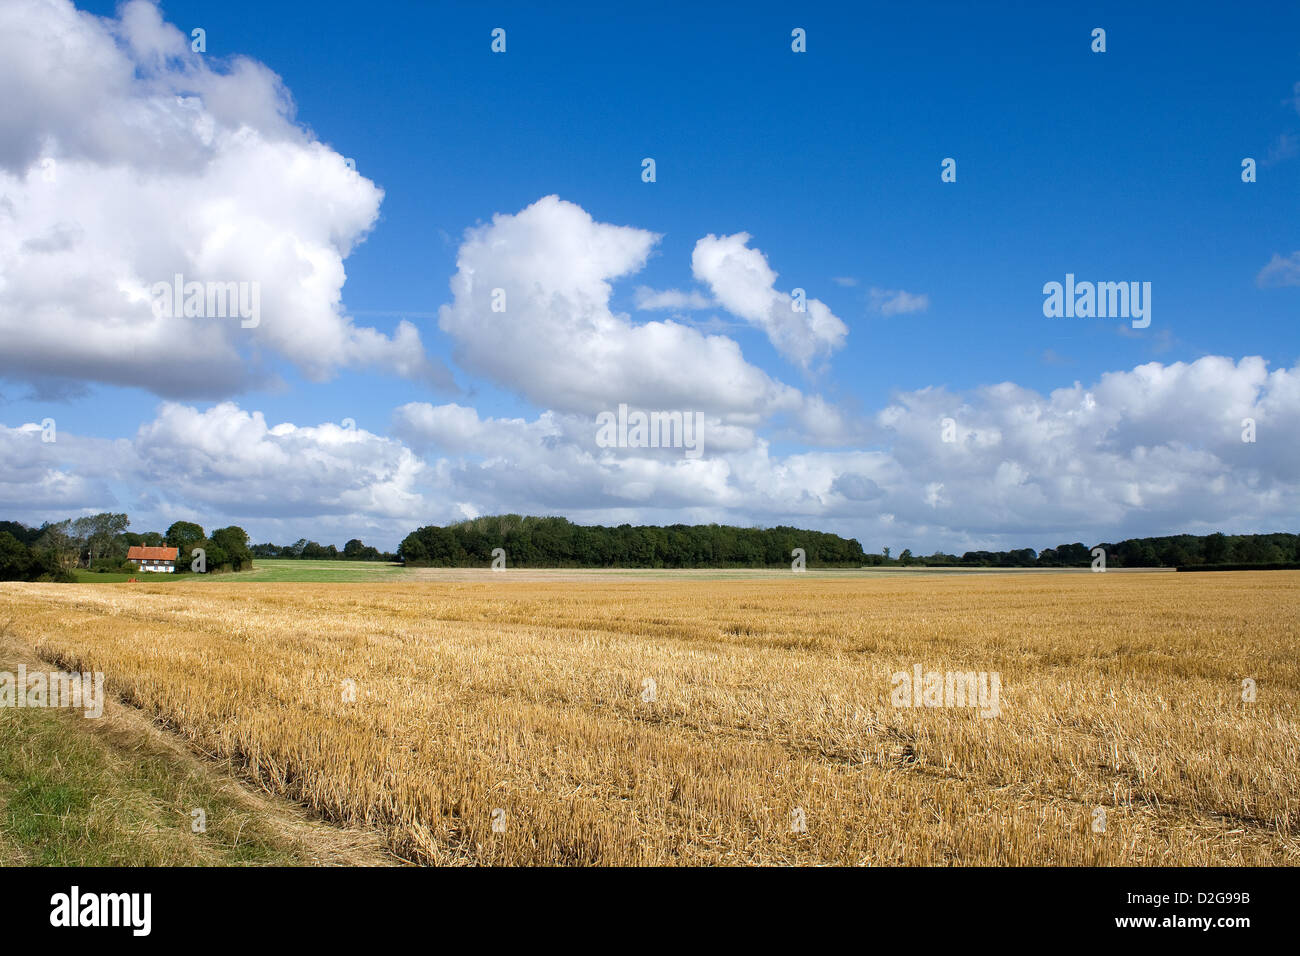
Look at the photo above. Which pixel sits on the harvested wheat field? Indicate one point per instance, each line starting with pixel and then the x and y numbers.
pixel 663 720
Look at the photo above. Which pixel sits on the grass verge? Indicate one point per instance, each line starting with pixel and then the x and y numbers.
pixel 118 791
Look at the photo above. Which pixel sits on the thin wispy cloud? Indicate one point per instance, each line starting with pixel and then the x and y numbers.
pixel 651 300
pixel 1280 271
pixel 898 301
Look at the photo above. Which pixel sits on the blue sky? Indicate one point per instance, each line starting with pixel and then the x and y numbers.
pixel 1123 165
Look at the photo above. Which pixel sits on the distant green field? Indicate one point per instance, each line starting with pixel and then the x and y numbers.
pixel 289 569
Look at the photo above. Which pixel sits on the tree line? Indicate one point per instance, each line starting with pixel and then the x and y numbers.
pixel 558 543
pixel 100 542
pixel 1171 551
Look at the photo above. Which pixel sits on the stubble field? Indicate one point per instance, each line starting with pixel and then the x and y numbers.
pixel 582 719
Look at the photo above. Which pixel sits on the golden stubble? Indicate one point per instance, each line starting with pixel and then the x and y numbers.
pixel 771 695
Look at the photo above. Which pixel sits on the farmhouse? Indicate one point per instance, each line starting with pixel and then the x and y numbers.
pixel 153 559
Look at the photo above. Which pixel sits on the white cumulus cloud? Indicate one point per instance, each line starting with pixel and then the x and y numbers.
pixel 744 284
pixel 126 159
pixel 1153 450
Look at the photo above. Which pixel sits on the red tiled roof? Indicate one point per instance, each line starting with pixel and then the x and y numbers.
pixel 138 552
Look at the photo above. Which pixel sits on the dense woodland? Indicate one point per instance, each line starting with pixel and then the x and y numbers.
pixel 558 543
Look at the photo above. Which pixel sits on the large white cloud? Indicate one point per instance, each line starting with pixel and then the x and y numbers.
pixel 230 461
pixel 126 159
pixel 1158 448
pixel 558 343
pixel 220 466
